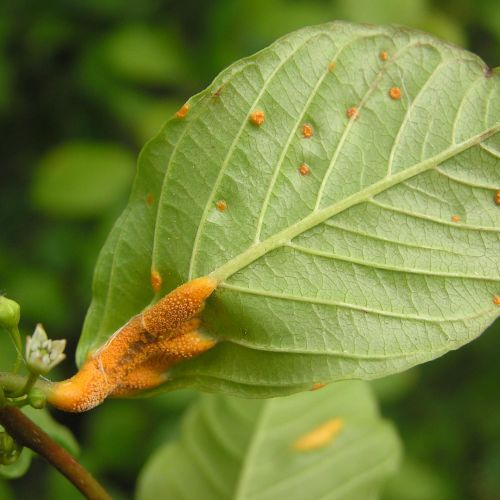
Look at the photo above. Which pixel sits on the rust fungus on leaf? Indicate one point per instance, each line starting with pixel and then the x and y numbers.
pixel 383 56
pixel 156 281
pixel 304 169
pixel 319 437
pixel 395 93
pixel 456 218
pixel 183 111
pixel 150 199
pixel 317 386
pixel 352 112
pixel 497 197
pixel 496 300
pixel 307 130
pixel 257 117
pixel 221 205
pixel 139 353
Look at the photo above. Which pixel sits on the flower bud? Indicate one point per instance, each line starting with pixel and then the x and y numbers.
pixel 10 312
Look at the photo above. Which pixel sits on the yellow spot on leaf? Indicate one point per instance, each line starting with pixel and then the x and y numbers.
pixel 319 437
pixel 307 130
pixel 183 111
pixel 257 117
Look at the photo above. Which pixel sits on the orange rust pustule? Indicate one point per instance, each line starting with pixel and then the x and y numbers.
pixel 156 281
pixel 178 306
pixel 138 353
pixel 183 111
pixel 383 55
pixel 395 93
pixel 257 118
pixel 307 131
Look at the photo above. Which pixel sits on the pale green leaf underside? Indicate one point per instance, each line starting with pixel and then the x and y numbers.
pixel 356 270
pixel 243 449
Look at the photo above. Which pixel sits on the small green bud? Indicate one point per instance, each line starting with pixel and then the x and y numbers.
pixel 10 312
pixel 37 398
pixel 9 449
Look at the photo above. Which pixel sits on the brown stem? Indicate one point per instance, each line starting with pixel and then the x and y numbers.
pixel 28 434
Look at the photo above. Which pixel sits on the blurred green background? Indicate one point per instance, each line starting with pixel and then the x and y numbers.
pixel 83 84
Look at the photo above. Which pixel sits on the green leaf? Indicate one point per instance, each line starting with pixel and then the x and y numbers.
pixel 244 449
pixel 383 257
pixel 82 179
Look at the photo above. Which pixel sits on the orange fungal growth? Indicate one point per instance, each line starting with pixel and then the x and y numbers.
pixel 352 112
pixel 319 437
pixel 456 218
pixel 304 169
pixel 156 281
pixel 183 111
pixel 317 386
pixel 497 197
pixel 139 353
pixel 257 117
pixel 496 300
pixel 383 55
pixel 178 306
pixel 307 130
pixel 395 93
pixel 221 205
pixel 149 199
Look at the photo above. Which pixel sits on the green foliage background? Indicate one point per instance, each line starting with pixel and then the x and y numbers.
pixel 83 84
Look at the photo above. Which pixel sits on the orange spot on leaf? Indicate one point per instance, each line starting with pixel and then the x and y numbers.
pixel 257 117
pixel 304 169
pixel 307 130
pixel 456 218
pixel 156 281
pixel 319 437
pixel 183 111
pixel 383 56
pixel 221 205
pixel 352 112
pixel 395 93
pixel 317 386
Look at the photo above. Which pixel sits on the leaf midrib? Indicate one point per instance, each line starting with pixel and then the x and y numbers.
pixel 317 217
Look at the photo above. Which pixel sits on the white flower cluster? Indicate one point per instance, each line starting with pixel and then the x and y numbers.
pixel 42 354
